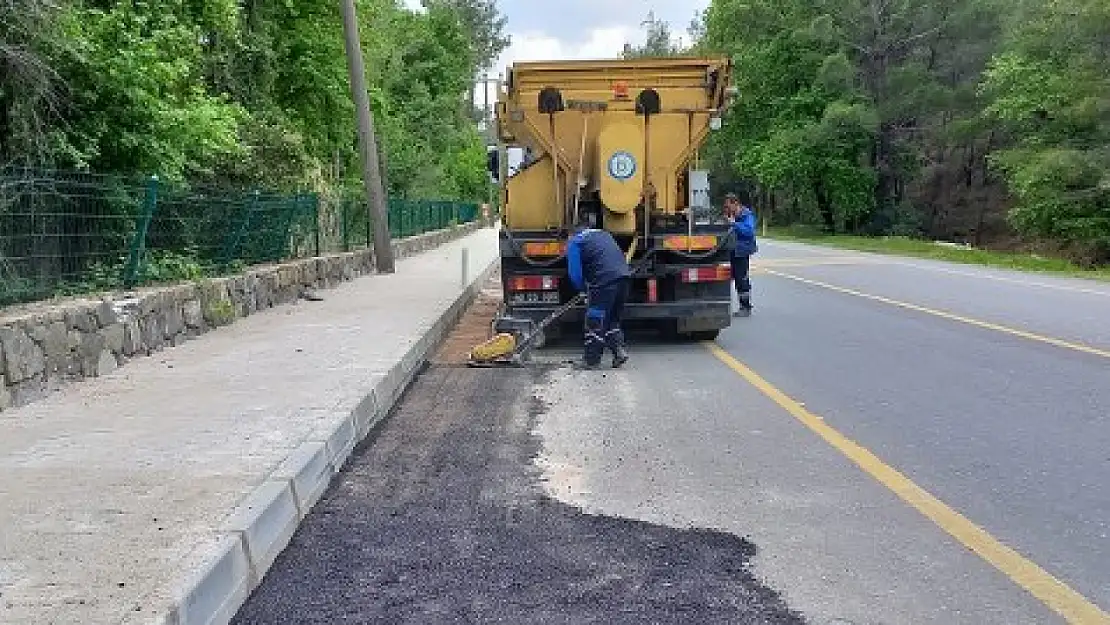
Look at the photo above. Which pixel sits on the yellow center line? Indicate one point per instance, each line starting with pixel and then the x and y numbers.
pixel 1059 597
pixel 1079 347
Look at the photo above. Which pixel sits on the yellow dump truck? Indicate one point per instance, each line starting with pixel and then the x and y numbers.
pixel 615 142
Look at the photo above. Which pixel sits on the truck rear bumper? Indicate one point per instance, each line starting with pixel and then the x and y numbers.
pixel 693 316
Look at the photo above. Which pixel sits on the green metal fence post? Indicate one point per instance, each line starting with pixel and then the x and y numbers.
pixel 285 242
pixel 391 216
pixel 234 243
pixel 138 242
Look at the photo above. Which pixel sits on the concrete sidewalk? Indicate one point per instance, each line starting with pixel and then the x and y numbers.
pixel 162 492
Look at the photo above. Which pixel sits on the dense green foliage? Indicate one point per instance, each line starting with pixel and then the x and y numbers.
pixel 1049 88
pixel 658 40
pixel 977 120
pixel 245 92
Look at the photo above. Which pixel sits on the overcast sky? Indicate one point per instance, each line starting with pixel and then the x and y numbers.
pixel 585 28
pixel 568 29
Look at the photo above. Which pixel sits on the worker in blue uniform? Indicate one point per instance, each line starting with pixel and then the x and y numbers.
pixel 597 266
pixel 743 226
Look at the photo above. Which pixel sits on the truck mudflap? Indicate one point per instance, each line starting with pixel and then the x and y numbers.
pixel 700 316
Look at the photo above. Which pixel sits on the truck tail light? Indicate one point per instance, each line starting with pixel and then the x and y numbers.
pixel 544 248
pixel 653 290
pixel 533 283
pixel 711 273
pixel 688 243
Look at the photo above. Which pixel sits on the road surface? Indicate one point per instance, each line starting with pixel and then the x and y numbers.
pixel 886 441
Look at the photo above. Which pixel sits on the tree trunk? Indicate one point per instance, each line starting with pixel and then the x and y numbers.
pixel 824 204
pixel 6 139
pixel 771 209
pixel 884 179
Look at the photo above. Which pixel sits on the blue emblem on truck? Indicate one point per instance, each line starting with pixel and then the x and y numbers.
pixel 622 165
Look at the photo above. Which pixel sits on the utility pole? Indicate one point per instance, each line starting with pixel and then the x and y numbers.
pixel 368 145
pixel 489 129
pixel 485 104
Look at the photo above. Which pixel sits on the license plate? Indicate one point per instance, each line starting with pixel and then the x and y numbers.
pixel 535 297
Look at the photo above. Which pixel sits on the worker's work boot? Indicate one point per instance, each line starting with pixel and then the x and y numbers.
pixel 745 305
pixel 595 349
pixel 614 339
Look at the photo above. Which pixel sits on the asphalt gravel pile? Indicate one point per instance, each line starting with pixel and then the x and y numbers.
pixel 440 518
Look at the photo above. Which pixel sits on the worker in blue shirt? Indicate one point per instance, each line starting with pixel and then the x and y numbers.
pixel 743 226
pixel 597 266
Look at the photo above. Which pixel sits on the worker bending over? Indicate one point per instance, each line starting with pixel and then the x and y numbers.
pixel 597 266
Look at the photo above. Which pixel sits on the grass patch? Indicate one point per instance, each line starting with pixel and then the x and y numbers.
pixel 916 248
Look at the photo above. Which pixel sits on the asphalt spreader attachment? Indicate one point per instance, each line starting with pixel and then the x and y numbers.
pixel 511 349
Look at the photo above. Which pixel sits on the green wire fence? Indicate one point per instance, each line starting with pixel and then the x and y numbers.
pixel 64 233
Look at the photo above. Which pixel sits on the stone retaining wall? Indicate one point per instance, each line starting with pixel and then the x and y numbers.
pixel 45 345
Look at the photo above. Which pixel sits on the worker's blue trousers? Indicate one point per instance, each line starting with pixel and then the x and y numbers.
pixel 603 320
pixel 740 268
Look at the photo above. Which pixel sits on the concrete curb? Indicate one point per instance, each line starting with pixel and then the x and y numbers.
pixel 262 525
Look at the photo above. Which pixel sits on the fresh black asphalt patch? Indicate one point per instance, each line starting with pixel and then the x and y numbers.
pixel 440 518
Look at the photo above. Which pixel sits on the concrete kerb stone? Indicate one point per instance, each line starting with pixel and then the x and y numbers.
pixel 397 381
pixel 264 523
pixel 217 592
pixel 387 389
pixel 339 436
pixel 309 471
pixel 426 339
pixel 411 360
pixel 366 415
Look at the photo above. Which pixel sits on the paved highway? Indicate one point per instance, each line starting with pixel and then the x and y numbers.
pixel 886 441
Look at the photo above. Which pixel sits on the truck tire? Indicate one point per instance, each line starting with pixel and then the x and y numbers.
pixel 705 335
